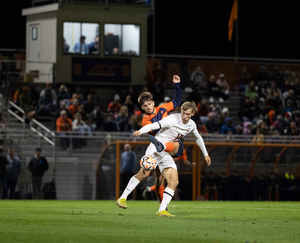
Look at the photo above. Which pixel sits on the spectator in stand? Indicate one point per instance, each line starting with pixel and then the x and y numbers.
pixel 53 92
pixel 128 165
pixel 3 176
pixel 95 98
pixel 167 99
pixel 223 116
pixel 213 89
pixel 3 124
pixel 135 123
pixel 263 90
pixel 291 96
pixel 38 165
pixel 64 125
pixel 201 128
pixel 81 47
pixel 80 95
pixel 25 100
pixel 115 106
pixel 244 80
pixel 274 89
pixel 198 79
pixel 215 108
pixel 247 127
pixel 73 109
pixel 228 127
pixel 128 102
pixel 251 91
pixel 239 129
pixel 57 113
pixel 264 128
pixel 297 88
pixel 202 110
pixel 259 137
pixel 46 104
pixel 63 95
pixel 82 112
pixel 17 94
pixel 293 129
pixel 286 86
pixel 34 95
pixel 65 46
pixel 271 118
pixel 89 105
pixel 122 119
pixel 276 76
pixel 262 74
pixel 211 124
pixel 224 87
pixel 246 109
pixel 108 124
pixel 13 169
pixel 194 95
pixel 96 118
pixel 80 128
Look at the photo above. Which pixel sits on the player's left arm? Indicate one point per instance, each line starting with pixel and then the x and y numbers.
pixel 200 143
pixel 177 98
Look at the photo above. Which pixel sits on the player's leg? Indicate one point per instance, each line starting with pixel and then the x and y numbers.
pixel 132 184
pixel 170 147
pixel 171 176
pixel 159 185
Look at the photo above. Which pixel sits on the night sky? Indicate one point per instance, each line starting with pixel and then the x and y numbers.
pixel 267 28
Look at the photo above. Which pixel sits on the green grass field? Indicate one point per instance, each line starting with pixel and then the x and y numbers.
pixel 103 221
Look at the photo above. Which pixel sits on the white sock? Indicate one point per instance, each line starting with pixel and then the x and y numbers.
pixel 133 182
pixel 168 195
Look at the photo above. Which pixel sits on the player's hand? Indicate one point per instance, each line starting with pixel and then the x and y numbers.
pixel 176 79
pixel 207 160
pixel 193 164
pixel 136 134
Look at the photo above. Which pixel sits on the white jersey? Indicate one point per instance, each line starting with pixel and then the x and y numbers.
pixel 173 129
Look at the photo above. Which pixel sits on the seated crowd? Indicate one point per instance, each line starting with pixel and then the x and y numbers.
pixel 270 105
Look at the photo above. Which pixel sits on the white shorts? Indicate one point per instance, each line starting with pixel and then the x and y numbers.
pixel 163 159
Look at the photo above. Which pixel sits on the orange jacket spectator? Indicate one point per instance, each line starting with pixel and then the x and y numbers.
pixel 73 109
pixel 63 123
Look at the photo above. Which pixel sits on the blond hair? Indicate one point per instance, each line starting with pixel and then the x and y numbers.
pixel 188 105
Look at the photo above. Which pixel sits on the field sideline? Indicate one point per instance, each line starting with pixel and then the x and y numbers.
pixel 103 221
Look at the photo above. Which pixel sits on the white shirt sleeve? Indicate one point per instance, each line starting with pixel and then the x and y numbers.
pixel 199 140
pixel 166 122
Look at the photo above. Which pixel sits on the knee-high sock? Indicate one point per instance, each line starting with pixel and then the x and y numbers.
pixel 133 182
pixel 169 147
pixel 168 195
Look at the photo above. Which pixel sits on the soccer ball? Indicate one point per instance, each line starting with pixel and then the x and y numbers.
pixel 147 162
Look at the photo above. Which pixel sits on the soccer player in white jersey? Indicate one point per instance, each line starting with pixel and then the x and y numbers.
pixel 172 129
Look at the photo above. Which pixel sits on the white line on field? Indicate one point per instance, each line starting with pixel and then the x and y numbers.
pixel 287 209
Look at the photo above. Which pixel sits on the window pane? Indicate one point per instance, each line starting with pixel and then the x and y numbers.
pixel 34 33
pixel 112 40
pixel 131 40
pixel 71 35
pixel 91 33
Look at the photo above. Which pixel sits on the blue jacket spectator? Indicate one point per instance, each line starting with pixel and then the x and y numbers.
pixel 228 127
pixel 81 47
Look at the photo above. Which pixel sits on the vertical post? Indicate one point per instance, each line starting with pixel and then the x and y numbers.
pixel 195 148
pixel 39 137
pixel 199 176
pixel 118 158
pixel 153 27
pixel 53 75
pixel 237 32
pixel 54 157
pixel 7 81
pixel 70 144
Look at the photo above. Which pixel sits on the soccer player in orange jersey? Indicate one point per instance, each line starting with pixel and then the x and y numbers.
pixel 152 114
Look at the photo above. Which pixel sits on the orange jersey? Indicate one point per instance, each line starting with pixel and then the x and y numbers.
pixel 160 113
pixel 183 156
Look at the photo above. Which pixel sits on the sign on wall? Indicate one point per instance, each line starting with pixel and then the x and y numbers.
pixel 111 70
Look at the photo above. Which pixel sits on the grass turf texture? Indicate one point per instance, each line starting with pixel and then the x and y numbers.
pixel 103 221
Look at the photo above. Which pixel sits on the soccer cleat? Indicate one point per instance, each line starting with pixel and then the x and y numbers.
pixel 158 145
pixel 122 203
pixel 164 213
pixel 144 195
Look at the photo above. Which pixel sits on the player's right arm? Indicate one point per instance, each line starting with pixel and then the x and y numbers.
pixel 166 122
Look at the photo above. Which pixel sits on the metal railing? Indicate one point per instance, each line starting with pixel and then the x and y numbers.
pixel 14 114
pixel 40 129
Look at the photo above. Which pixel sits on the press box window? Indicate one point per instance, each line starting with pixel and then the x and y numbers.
pixel 122 39
pixel 34 34
pixel 81 38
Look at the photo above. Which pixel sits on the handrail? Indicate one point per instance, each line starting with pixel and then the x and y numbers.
pixel 22 119
pixel 41 126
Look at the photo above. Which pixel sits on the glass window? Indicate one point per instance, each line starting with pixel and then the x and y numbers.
pixel 80 38
pixel 34 34
pixel 122 39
